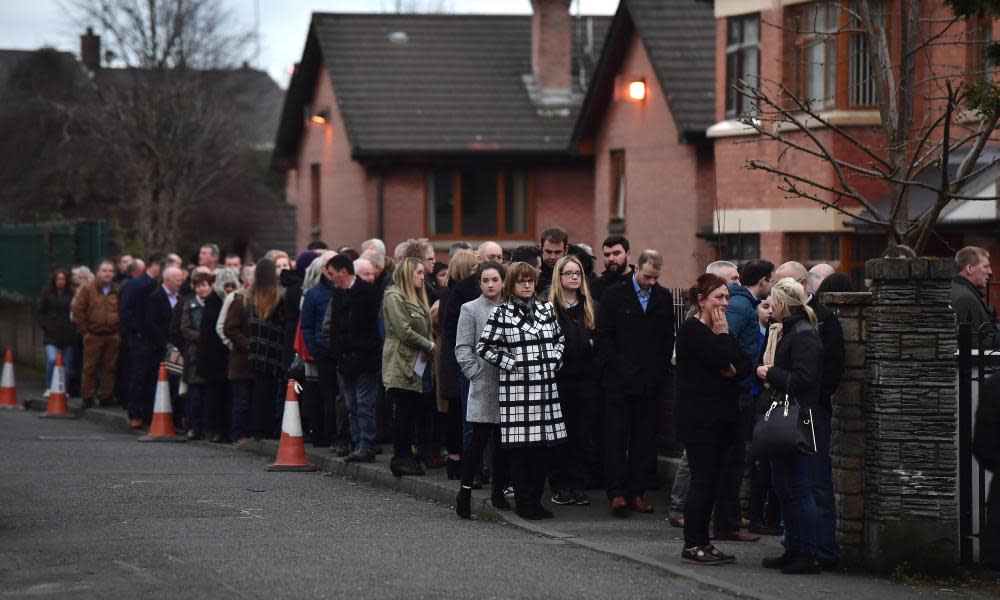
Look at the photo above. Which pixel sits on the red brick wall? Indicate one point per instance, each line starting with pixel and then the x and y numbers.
pixel 668 187
pixel 564 197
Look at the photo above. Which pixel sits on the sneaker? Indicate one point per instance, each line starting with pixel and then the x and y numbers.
pixel 580 498
pixel 46 394
pixel 563 497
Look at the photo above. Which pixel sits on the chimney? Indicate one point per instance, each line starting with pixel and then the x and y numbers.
pixel 90 50
pixel 551 45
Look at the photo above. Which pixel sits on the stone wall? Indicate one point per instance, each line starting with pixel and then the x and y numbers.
pixel 911 419
pixel 847 447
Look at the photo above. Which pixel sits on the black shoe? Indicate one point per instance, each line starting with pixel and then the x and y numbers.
pixel 705 555
pixel 580 498
pixel 378 450
pixel 527 511
pixel 563 497
pixel 88 403
pixel 342 450
pixel 778 562
pixel 762 529
pixel 218 439
pixel 803 564
pixel 499 501
pixel 360 456
pixel 544 512
pixel 454 469
pixel 829 564
pixel 462 501
pixel 405 466
pixel 193 434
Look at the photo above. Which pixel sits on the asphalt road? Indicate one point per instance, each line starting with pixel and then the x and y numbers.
pixel 87 512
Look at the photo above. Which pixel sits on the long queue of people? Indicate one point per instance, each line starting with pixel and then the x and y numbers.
pixel 511 369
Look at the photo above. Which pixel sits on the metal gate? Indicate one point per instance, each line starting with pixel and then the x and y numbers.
pixel 976 362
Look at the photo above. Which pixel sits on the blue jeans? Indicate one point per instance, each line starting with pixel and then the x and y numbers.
pixel 50 363
pixel 793 486
pixel 822 481
pixel 239 425
pixel 463 387
pixel 360 392
pixel 195 408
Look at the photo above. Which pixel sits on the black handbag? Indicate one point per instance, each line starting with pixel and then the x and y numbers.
pixel 785 429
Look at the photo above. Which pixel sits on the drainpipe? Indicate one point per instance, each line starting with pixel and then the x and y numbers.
pixel 381 202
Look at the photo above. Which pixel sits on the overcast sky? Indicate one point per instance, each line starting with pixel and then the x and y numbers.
pixel 30 24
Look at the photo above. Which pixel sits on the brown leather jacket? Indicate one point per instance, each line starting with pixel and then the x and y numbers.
pixel 95 313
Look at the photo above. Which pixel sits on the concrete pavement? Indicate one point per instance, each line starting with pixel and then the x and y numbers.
pixel 642 539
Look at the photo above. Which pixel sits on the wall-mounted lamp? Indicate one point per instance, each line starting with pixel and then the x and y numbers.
pixel 320 116
pixel 637 90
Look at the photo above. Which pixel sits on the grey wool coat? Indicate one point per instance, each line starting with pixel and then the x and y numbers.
pixel 525 342
pixel 484 378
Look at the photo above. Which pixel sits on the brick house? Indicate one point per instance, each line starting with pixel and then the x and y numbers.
pixel 442 126
pixel 758 38
pixel 644 120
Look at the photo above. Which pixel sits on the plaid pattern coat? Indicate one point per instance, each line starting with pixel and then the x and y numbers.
pixel 525 342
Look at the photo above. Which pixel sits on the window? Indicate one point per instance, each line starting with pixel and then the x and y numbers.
pixel 827 63
pixel 618 192
pixel 738 247
pixel 814 248
pixel 742 61
pixel 315 202
pixel 478 203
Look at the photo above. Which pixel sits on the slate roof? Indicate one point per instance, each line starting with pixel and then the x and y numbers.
pixel 453 87
pixel 679 37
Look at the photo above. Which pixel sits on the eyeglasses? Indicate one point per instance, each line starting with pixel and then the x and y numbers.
pixel 572 274
pixel 525 282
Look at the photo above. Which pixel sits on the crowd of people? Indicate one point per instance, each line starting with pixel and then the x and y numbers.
pixel 521 369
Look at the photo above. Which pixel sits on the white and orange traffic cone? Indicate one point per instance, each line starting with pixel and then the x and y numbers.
pixel 57 406
pixel 8 392
pixel 162 427
pixel 291 448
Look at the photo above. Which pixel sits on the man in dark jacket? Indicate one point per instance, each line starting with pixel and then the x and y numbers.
pixel 554 244
pixel 972 275
pixel 635 341
pixel 754 285
pixel 353 333
pixel 132 308
pixel 832 335
pixel 324 414
pixel 617 252
pixel 986 448
pixel 158 310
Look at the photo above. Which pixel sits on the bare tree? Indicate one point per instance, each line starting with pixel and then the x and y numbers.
pixel 922 122
pixel 176 136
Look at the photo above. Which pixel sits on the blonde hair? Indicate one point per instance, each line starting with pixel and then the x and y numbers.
pixel 793 296
pixel 403 278
pixel 461 266
pixel 557 296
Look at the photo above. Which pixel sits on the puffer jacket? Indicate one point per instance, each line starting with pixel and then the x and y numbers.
pixel 798 361
pixel 407 334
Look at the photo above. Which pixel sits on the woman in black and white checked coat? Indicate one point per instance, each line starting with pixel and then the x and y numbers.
pixel 522 338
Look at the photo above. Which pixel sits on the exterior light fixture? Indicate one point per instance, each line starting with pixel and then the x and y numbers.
pixel 637 90
pixel 320 116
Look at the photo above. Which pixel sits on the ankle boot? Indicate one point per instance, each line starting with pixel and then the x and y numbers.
pixel 462 502
pixel 803 564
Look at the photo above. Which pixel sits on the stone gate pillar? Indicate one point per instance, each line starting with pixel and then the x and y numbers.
pixel 911 431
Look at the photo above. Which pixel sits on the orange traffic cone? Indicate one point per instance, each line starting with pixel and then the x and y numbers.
pixel 57 407
pixel 8 393
pixel 291 448
pixel 162 427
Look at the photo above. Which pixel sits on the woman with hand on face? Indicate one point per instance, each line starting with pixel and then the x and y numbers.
pixel 710 366
pixel 792 367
